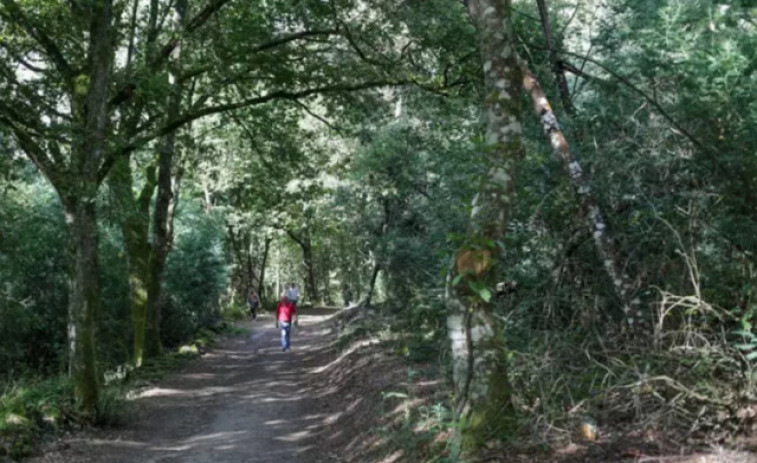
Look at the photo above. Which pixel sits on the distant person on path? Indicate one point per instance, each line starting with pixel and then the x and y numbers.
pixel 253 302
pixel 286 314
pixel 292 293
pixel 346 295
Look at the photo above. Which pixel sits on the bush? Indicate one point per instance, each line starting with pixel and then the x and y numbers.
pixel 195 277
pixel 28 409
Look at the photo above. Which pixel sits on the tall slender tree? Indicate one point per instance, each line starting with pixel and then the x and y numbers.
pixel 477 336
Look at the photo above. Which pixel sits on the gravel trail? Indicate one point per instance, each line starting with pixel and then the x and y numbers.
pixel 245 401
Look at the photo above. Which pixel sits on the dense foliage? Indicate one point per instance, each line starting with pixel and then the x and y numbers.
pixel 33 316
pixel 347 146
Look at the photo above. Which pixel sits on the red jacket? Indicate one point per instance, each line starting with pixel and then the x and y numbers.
pixel 285 310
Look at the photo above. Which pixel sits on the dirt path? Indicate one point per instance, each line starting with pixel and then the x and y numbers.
pixel 246 401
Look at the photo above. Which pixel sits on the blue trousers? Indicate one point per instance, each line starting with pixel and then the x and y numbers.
pixel 286 329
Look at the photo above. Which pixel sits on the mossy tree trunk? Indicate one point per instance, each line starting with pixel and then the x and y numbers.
pixel 477 335
pixel 84 295
pixel 135 224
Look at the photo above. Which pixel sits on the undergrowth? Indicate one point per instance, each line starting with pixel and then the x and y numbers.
pixel 31 408
pixel 673 381
pixel 415 421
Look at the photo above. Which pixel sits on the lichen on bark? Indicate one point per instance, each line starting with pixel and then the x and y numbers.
pixel 476 333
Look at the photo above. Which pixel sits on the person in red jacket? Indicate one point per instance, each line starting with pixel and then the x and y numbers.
pixel 286 314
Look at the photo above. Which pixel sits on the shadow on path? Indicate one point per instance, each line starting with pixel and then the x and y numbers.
pixel 245 401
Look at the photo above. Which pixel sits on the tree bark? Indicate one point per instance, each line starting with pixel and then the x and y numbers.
pixel 610 257
pixel 311 288
pixel 161 244
pixel 250 273
pixel 165 201
pixel 135 224
pixel 476 334
pixel 83 304
pixel 557 68
pixel 238 282
pixel 79 200
pixel 372 284
pixel 262 293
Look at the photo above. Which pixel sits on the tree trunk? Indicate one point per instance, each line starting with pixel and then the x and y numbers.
pixel 161 243
pixel 89 106
pixel 372 284
pixel 84 295
pixel 237 283
pixel 611 260
pixel 135 224
pixel 263 262
pixel 311 287
pixel 557 68
pixel 476 334
pixel 165 201
pixel 250 273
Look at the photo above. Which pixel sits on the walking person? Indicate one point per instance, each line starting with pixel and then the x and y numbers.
pixel 292 293
pixel 253 302
pixel 286 315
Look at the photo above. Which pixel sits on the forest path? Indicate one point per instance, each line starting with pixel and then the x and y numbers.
pixel 245 401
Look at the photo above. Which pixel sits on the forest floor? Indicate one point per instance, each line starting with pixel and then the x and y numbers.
pixel 246 401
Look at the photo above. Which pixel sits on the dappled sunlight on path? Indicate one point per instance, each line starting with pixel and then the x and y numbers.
pixel 246 401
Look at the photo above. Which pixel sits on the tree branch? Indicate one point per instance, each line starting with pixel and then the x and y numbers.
pixel 32 149
pixel 559 71
pixel 278 41
pixel 47 44
pixel 20 58
pixel 276 95
pixel 195 23
pixel 324 121
pixel 625 81
pixel 294 237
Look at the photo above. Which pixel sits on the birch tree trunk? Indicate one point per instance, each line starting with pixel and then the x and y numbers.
pixel 477 336
pixel 611 259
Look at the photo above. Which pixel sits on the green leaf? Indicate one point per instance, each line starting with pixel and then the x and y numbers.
pixel 457 279
pixel 480 289
pixel 751 356
pixel 747 346
pixel 746 334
